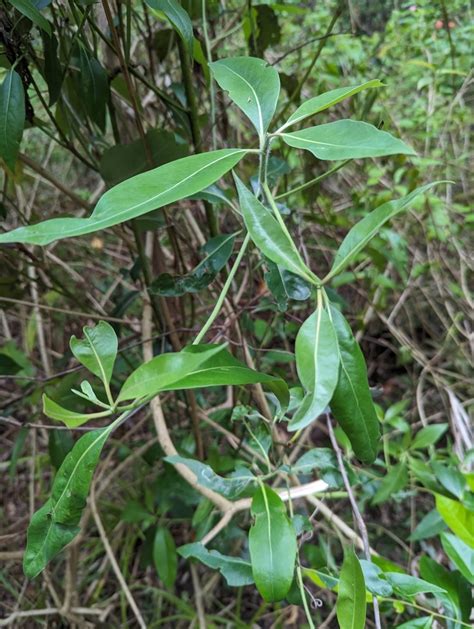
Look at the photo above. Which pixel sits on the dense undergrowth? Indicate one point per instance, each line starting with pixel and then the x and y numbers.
pixel 109 90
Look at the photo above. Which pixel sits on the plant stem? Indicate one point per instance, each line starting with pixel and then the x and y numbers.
pixel 224 291
pixel 355 510
pixel 211 78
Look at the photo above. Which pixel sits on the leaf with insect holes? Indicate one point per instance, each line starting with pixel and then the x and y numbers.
pixel 97 350
pixel 272 545
pixel 317 363
pixel 12 117
pixel 136 196
pixel 346 139
pixel 253 85
pixel 326 100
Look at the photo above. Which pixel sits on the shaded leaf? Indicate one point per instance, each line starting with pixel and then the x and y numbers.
pixel 164 556
pixel 375 582
pixel 432 524
pixel 97 350
pixel 428 436
pixel 394 481
pixel 285 285
pixel 460 554
pixel 407 586
pixel 27 8
pixel 52 68
pixel 178 17
pixel 12 117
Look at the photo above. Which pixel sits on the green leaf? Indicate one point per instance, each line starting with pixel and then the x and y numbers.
pixel 12 117
pixel 368 227
pixel 164 556
pixel 429 526
pixel 459 519
pixel 408 586
pixel 428 436
pixel 178 17
pixel 456 597
pixel 351 403
pixel 235 571
pixel 266 232
pixel 223 369
pixel 136 196
pixel 97 350
pixel 460 554
pixel 95 86
pixel 272 545
pixel 394 481
pixel 70 418
pixel 317 362
pixel 375 582
pixel 218 250
pixel 52 69
pixel 165 370
pixel 55 524
pixel 346 139
pixel 285 285
pixel 253 85
pixel 450 478
pixel 121 161
pixel 424 622
pixel 326 100
pixel 229 487
pixel 351 603
pixel 27 8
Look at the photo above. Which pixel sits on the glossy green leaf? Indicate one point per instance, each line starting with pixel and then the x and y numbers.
pixel 253 85
pixel 423 622
pixel 267 233
pixel 460 554
pixel 136 196
pixel 27 8
pixel 272 545
pixel 178 17
pixel 428 436
pixel 326 100
pixel 459 519
pixel 70 418
pixel 230 487
pixel 235 571
pixel 368 227
pixel 395 480
pixel 351 403
pixel 317 362
pixel 223 369
pixel 346 139
pixel 218 250
pixel 407 586
pixel 12 117
pixel 97 350
pixel 56 523
pixel 165 370
pixel 351 603
pixel 164 556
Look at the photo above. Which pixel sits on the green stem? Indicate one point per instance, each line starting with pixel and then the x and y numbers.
pixel 427 611
pixel 310 183
pixel 211 78
pixel 224 292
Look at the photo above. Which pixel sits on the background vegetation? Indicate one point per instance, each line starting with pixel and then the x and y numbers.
pixel 110 92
